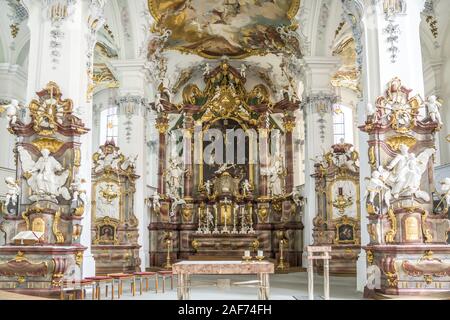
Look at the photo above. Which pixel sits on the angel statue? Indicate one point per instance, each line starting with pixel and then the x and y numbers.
pixel 46 177
pixel 223 168
pixel 208 186
pixel 11 112
pixel 246 187
pixel 13 191
pixel 156 198
pixel 433 106
pixel 375 187
pixel 406 172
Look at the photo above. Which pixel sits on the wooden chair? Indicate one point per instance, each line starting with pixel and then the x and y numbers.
pixel 140 276
pixel 164 274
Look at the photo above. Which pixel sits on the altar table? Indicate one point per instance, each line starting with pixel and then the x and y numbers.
pixel 185 269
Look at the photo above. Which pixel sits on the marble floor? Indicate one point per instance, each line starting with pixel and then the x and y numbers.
pixel 283 287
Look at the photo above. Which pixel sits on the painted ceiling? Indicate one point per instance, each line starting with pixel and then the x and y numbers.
pixel 232 28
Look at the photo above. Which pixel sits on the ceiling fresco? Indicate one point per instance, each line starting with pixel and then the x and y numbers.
pixel 232 28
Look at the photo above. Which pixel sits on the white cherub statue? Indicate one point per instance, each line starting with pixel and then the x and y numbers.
pixel 156 198
pixel 11 112
pixel 433 106
pixel 13 191
pixel 246 187
pixel 208 187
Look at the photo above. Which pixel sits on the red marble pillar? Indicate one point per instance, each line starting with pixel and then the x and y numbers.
pixel 289 125
pixel 188 156
pixel 162 124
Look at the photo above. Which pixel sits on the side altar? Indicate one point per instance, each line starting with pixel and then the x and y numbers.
pixel 114 226
pixel 408 212
pixel 42 216
pixel 225 181
pixel 338 221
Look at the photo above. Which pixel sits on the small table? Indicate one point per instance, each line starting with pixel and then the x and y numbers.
pixel 319 253
pixel 185 269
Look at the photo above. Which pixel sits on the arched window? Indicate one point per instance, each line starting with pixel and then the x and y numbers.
pixel 343 124
pixel 109 121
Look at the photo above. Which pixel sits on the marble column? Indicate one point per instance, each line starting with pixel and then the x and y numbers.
pixel 381 61
pixel 289 126
pixel 133 116
pixel 188 152
pixel 61 50
pixel 162 124
pixel 318 119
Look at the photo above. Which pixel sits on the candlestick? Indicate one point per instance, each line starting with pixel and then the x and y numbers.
pixel 216 230
pixel 207 227
pixel 247 253
pixel 235 209
pixel 243 230
pixel 250 218
pixel 260 253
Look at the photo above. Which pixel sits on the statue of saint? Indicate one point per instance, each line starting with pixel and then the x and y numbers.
pixel 13 191
pixel 174 174
pixel 47 176
pixel 275 173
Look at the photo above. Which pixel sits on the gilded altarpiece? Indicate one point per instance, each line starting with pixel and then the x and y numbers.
pixel 114 225
pixel 217 210
pixel 337 223
pixel 50 202
pixel 408 218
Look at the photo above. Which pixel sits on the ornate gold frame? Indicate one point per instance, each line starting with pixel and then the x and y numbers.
pixel 346 221
pixel 107 221
pixel 108 178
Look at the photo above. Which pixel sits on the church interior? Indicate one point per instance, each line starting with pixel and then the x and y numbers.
pixel 224 149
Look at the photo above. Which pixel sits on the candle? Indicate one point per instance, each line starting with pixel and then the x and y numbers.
pixel 260 253
pixel 247 253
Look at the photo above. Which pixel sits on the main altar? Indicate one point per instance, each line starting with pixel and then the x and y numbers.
pixel 225 182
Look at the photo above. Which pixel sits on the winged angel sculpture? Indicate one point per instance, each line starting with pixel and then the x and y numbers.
pixel 46 177
pixel 401 178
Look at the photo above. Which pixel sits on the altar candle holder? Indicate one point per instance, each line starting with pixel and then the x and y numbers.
pixel 243 229
pixel 250 220
pixel 235 209
pixel 260 255
pixel 247 257
pixel 281 264
pixel 168 264
pixel 199 230
pixel 216 230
